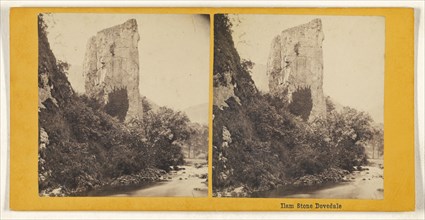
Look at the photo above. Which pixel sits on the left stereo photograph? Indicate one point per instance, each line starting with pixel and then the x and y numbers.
pixel 123 104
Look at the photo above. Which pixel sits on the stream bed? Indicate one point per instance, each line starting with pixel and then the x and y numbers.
pixel 188 181
pixel 365 184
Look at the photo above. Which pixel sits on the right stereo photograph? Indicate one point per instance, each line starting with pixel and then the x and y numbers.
pixel 298 106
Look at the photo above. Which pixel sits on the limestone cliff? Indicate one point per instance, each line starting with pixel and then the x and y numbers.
pixel 54 88
pixel 296 62
pixel 224 92
pixel 112 62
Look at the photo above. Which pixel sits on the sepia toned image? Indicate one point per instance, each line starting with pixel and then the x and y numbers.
pixel 298 106
pixel 123 104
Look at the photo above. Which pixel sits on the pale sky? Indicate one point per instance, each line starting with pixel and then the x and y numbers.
pixel 353 54
pixel 173 52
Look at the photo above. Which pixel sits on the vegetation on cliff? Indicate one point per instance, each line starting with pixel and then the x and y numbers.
pixel 83 143
pixel 262 141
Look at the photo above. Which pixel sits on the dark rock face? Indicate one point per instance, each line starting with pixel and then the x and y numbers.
pixel 112 62
pixel 296 62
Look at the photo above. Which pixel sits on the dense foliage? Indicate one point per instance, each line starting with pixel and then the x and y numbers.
pixel 164 131
pixel 197 145
pixel 117 105
pixel 302 103
pixel 84 144
pixel 264 141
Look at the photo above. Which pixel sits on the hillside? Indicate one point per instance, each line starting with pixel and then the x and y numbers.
pixel 198 113
pixel 264 141
pixel 84 147
pixel 240 156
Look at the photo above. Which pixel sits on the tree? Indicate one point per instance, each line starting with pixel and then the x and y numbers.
pixel 330 106
pixel 302 103
pixel 164 132
pixel 344 135
pixel 377 142
pixel 146 105
pixel 118 103
pixel 63 66
pixel 197 144
pixel 247 65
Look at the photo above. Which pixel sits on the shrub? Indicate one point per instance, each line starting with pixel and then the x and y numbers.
pixel 117 105
pixel 302 103
pixel 272 141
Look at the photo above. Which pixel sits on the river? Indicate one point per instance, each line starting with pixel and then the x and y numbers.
pixel 365 184
pixel 185 182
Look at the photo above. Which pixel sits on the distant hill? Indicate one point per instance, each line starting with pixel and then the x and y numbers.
pixel 198 113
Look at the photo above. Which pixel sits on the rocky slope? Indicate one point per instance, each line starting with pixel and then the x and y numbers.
pixel 239 156
pixel 81 147
pixel 296 62
pixel 266 141
pixel 112 62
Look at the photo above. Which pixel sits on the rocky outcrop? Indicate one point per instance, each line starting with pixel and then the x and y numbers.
pixel 296 61
pixel 54 88
pixel 43 142
pixel 224 92
pixel 112 62
pixel 45 91
pixel 144 176
pixel 44 139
